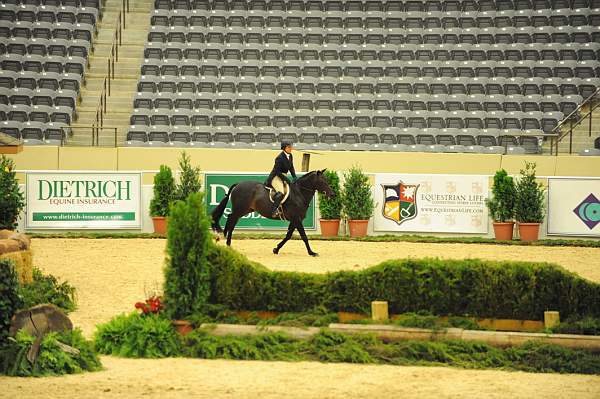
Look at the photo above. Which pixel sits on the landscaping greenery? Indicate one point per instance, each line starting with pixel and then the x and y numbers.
pixel 322 318
pixel 585 326
pixel 328 346
pixel 189 180
pixel 164 192
pixel 378 238
pixel 529 199
pixel 471 287
pixel 138 335
pixel 502 203
pixel 52 360
pixel 357 199
pixel 47 289
pixel 12 200
pixel 187 275
pixel 331 207
pixel 10 300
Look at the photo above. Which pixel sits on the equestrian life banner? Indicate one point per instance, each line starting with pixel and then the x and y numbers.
pixel 217 185
pixel 431 203
pixel 73 200
pixel 574 207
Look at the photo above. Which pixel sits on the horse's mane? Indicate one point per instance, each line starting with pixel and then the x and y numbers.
pixel 306 176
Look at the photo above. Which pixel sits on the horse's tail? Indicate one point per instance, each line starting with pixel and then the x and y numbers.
pixel 217 213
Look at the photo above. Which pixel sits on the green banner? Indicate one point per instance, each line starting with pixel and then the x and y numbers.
pixel 81 216
pixel 217 185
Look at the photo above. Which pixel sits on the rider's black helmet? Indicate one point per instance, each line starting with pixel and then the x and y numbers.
pixel 285 144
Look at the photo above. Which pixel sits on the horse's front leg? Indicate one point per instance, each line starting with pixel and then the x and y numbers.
pixel 300 228
pixel 288 235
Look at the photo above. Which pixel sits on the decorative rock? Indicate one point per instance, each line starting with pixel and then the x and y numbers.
pixel 22 239
pixel 11 241
pixel 39 321
pixel 379 310
pixel 11 246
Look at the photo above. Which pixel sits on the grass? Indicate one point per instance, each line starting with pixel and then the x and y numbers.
pixel 315 237
pixel 153 337
pixel 332 347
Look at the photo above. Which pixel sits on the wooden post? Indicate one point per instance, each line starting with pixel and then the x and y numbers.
pixel 551 319
pixel 379 310
pixel 305 162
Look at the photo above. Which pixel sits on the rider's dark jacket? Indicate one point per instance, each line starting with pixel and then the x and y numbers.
pixel 282 166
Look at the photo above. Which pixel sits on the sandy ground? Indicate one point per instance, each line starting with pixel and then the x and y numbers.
pixel 196 378
pixel 111 275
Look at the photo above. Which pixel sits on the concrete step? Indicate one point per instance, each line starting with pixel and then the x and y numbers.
pixel 126 51
pixel 127 70
pixel 117 85
pixel 123 71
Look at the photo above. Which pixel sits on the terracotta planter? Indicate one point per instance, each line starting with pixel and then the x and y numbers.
pixel 529 231
pixel 160 224
pixel 329 227
pixel 503 230
pixel 183 327
pixel 358 228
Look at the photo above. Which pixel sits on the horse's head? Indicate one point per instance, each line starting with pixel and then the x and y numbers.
pixel 319 183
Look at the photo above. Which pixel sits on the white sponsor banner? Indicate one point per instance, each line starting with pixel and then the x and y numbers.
pixel 431 203
pixel 75 200
pixel 574 206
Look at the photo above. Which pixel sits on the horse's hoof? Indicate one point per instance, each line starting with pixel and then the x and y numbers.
pixel 313 254
pixel 275 251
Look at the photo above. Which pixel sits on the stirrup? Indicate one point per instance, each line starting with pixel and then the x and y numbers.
pixel 278 214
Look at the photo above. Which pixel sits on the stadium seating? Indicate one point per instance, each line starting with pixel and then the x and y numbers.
pixel 455 76
pixel 44 49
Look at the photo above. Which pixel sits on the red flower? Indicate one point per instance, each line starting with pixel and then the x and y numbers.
pixel 152 305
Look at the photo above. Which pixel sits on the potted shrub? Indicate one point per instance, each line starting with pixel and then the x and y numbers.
pixel 529 203
pixel 12 200
pixel 164 193
pixel 502 205
pixel 330 208
pixel 189 180
pixel 357 201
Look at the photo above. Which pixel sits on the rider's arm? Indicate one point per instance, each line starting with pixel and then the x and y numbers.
pixel 292 170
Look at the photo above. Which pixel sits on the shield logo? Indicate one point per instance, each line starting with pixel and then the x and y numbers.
pixel 400 202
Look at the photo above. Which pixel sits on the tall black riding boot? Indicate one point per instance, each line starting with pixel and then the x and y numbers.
pixel 277 197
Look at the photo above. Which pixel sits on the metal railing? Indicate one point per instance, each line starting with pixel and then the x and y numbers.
pixel 574 119
pixel 113 58
pixel 97 139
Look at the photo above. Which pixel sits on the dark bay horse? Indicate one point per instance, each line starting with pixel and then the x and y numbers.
pixel 252 196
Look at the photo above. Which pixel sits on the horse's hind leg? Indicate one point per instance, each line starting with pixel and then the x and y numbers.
pixel 288 235
pixel 230 225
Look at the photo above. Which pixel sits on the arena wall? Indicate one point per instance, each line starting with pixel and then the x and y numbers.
pixel 149 159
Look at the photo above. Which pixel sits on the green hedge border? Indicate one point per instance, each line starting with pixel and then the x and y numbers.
pixel 468 287
pixel 382 238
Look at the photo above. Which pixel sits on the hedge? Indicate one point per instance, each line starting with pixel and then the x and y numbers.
pixel 471 287
pixel 10 300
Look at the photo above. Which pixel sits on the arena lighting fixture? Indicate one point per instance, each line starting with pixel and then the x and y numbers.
pixel 9 144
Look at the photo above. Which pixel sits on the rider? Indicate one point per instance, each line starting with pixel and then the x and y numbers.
pixel 284 163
